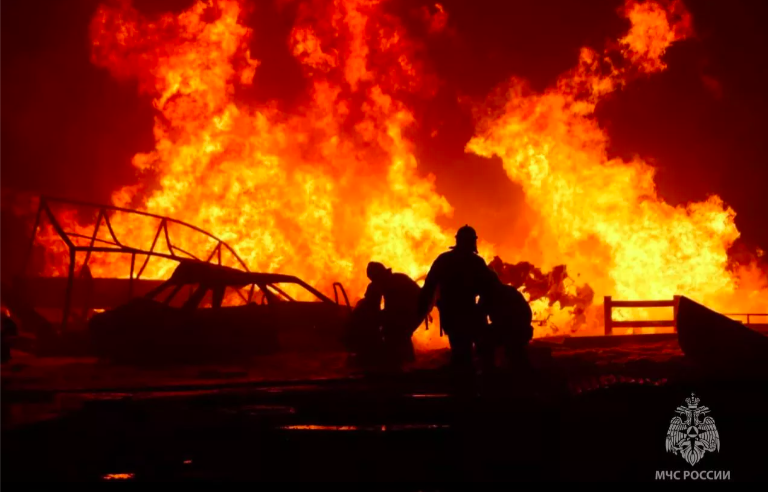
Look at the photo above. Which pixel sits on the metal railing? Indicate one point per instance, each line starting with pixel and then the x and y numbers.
pixel 749 317
pixel 610 323
pixel 115 245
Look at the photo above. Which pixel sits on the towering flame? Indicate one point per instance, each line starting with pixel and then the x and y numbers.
pixel 322 190
pixel 318 193
pixel 603 217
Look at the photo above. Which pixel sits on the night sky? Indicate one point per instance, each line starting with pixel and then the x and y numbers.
pixel 70 129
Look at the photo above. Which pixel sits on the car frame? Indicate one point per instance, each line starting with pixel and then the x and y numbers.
pixel 207 312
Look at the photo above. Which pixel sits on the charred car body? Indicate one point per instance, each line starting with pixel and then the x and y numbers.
pixel 206 312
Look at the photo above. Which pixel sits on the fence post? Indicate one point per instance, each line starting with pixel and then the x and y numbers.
pixel 675 308
pixel 608 316
pixel 130 282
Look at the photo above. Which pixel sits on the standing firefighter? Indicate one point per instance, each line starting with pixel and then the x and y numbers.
pixel 400 316
pixel 457 279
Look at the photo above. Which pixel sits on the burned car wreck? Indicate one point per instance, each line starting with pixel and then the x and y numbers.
pixel 207 312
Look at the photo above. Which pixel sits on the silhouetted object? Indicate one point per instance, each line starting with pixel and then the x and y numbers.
pixel 49 209
pixel 532 280
pixel 718 343
pixel 457 279
pixel 364 338
pixel 30 320
pixel 552 285
pixel 88 293
pixel 9 333
pixel 580 302
pixel 206 312
pixel 510 326
pixel 515 275
pixel 400 316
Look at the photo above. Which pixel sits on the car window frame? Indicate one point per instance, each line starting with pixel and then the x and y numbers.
pixel 272 293
pixel 273 285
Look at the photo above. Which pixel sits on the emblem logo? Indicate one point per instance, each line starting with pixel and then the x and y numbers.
pixel 689 434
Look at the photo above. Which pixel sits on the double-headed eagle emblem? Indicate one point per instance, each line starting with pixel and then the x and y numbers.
pixel 689 434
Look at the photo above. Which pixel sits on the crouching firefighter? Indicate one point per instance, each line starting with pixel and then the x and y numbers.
pixel 364 338
pixel 399 318
pixel 382 336
pixel 510 326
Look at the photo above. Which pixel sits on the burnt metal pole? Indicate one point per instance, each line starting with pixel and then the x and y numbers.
pixel 93 240
pixel 70 285
pixel 130 281
pixel 32 237
pixel 151 249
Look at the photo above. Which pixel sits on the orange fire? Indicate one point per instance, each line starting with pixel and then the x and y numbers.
pixel 603 217
pixel 319 193
pixel 322 191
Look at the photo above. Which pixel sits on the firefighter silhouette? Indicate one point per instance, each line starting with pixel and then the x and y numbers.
pixel 510 327
pixel 399 317
pixel 456 281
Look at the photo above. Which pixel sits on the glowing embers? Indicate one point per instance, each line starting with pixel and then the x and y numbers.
pixel 364 428
pixel 119 476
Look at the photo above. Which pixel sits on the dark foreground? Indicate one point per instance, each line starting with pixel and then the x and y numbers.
pixel 573 419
